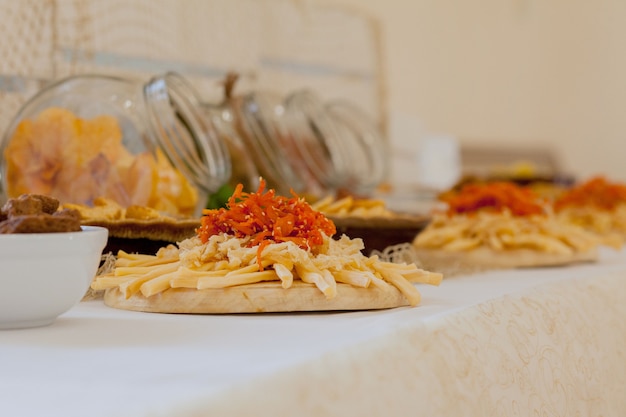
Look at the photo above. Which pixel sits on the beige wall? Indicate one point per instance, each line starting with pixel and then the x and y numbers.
pixel 510 72
pixel 514 73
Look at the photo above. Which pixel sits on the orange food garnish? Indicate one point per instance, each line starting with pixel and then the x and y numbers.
pixel 266 217
pixel 597 192
pixel 497 197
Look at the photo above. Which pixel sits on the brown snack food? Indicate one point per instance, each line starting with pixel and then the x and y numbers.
pixel 66 212
pixel 32 213
pixel 40 223
pixel 30 204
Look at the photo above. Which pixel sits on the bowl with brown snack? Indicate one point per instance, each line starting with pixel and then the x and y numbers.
pixel 47 259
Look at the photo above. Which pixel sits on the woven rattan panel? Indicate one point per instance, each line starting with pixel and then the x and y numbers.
pixel 280 45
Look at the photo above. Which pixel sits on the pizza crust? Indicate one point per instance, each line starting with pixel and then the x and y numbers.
pixel 144 236
pixel 263 297
pixel 165 229
pixel 484 258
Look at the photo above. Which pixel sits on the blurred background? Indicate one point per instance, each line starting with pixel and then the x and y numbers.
pixel 452 84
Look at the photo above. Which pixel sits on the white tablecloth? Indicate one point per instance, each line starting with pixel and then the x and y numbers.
pixel 518 343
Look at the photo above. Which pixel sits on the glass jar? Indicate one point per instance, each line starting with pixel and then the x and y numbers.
pixel 321 153
pixel 244 169
pixel 365 142
pixel 300 143
pixel 92 136
pixel 259 119
pixel 253 130
pixel 340 146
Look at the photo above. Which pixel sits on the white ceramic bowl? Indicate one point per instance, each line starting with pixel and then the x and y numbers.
pixel 42 275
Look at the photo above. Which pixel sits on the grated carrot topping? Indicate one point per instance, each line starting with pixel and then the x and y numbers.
pixel 495 196
pixel 596 192
pixel 266 218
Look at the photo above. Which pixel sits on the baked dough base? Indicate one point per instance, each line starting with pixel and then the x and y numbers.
pixel 169 230
pixel 263 297
pixel 144 236
pixel 483 258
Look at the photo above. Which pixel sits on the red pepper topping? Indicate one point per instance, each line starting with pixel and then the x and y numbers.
pixel 266 217
pixel 596 192
pixel 496 197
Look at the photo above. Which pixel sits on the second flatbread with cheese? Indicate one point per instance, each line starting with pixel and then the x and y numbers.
pixel 500 226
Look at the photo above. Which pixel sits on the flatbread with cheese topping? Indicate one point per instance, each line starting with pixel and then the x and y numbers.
pixel 262 253
pixel 500 225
